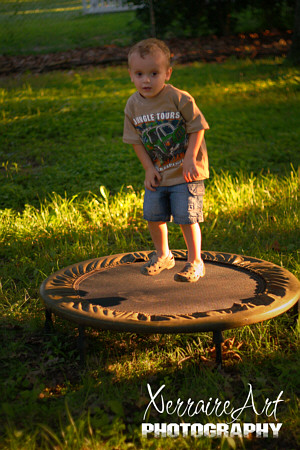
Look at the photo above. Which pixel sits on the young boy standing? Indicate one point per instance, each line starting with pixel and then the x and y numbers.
pixel 166 129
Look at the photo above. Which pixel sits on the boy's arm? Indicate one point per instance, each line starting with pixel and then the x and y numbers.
pixel 152 176
pixel 190 171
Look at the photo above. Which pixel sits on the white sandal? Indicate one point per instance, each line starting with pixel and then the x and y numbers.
pixel 191 272
pixel 156 265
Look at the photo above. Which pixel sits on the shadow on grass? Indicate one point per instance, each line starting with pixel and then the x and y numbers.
pixel 51 388
pixel 41 375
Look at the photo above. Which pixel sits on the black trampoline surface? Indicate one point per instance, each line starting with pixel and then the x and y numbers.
pixel 110 293
pixel 123 288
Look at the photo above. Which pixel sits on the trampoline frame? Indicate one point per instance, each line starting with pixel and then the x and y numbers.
pixel 60 294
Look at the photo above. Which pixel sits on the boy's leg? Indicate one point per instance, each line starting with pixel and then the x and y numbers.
pixel 194 268
pixel 159 235
pixel 192 237
pixel 163 259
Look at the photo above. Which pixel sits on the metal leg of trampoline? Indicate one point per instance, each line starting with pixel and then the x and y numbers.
pixel 296 312
pixel 218 339
pixel 81 344
pixel 48 322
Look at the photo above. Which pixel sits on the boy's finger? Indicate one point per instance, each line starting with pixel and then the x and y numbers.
pixel 149 186
pixel 187 176
pixel 158 176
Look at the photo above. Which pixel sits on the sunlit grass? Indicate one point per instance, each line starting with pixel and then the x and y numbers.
pixel 71 191
pixel 66 115
pixel 45 10
pixel 36 27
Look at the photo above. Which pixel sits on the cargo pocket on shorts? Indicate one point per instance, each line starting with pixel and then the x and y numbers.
pixel 196 187
pixel 195 202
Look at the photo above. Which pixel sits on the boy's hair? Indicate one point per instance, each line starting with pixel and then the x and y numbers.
pixel 148 47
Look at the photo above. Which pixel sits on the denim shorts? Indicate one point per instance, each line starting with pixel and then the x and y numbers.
pixel 182 202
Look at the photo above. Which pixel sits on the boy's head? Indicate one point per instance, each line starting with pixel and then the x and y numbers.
pixel 149 66
pixel 148 47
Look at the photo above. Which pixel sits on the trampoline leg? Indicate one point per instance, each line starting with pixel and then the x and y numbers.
pixel 218 339
pixel 48 322
pixel 81 344
pixel 298 315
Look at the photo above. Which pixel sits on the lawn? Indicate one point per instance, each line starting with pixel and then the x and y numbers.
pixel 71 190
pixel 42 26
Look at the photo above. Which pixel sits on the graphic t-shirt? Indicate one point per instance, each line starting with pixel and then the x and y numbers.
pixel 162 124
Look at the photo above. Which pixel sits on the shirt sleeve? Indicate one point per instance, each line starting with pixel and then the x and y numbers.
pixel 195 121
pixel 130 134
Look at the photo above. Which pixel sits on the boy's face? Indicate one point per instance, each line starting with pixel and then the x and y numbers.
pixel 149 73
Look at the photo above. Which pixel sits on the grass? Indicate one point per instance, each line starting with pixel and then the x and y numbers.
pixel 71 190
pixel 42 26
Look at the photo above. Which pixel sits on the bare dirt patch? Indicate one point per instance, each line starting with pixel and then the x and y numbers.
pixel 206 49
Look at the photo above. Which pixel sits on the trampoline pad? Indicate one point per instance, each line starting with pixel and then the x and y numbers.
pixel 110 293
pixel 123 288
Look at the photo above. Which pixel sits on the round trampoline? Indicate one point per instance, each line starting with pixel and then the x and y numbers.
pixel 110 293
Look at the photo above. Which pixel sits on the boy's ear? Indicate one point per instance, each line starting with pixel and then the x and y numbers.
pixel 169 73
pixel 130 74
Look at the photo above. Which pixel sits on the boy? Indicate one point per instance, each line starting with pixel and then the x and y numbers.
pixel 166 129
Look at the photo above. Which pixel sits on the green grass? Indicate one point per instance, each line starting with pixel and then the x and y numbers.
pixel 53 127
pixel 70 190
pixel 29 27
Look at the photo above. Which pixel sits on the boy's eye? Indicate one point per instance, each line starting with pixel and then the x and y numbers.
pixel 154 74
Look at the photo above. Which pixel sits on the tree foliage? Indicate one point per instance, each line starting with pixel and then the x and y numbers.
pixel 294 54
pixel 174 18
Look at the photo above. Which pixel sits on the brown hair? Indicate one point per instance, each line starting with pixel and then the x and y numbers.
pixel 149 46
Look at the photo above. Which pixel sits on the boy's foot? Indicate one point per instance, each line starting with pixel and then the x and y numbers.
pixel 191 272
pixel 156 265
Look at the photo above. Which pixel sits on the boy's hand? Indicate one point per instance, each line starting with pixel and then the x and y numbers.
pixel 189 168
pixel 152 178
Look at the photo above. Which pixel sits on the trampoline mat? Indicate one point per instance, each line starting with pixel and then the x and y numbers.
pixel 124 288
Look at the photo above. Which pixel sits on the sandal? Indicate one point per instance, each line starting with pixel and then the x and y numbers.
pixel 156 265
pixel 191 272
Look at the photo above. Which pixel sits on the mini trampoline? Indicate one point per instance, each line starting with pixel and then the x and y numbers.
pixel 109 293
